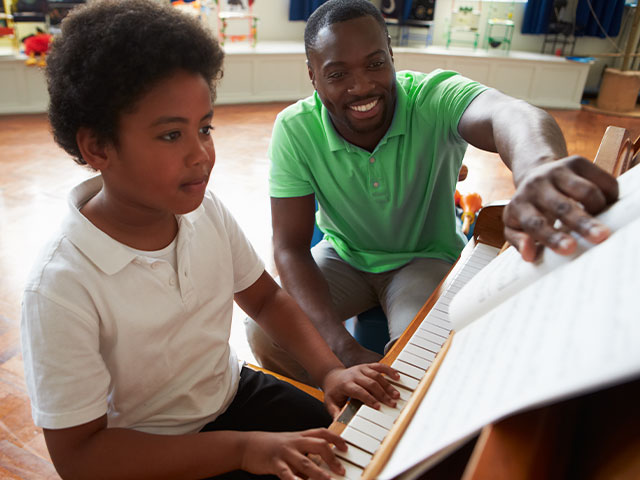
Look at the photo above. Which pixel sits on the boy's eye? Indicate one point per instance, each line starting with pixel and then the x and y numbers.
pixel 171 136
pixel 206 130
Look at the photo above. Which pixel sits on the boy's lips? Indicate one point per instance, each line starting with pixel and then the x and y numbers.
pixel 196 183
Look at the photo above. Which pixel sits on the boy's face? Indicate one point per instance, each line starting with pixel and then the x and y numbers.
pixel 164 154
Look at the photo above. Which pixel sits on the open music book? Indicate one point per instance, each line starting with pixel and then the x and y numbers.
pixel 527 335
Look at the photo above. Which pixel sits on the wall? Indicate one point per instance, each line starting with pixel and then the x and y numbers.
pixel 274 25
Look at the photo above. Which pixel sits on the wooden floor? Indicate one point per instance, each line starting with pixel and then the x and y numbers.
pixel 35 176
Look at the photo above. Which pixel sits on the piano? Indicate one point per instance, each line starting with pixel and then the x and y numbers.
pixel 593 436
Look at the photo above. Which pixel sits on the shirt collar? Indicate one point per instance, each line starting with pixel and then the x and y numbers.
pixel 397 127
pixel 105 252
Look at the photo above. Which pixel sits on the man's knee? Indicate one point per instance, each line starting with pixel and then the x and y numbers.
pixel 271 356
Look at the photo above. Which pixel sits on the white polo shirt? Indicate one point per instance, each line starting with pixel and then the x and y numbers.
pixel 107 330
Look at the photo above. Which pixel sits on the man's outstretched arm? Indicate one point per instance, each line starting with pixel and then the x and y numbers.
pixel 550 184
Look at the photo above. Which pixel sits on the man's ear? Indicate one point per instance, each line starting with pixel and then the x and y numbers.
pixel 389 45
pixel 93 150
pixel 312 75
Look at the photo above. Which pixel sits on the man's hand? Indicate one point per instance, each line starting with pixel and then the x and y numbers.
pixel 570 190
pixel 284 454
pixel 364 382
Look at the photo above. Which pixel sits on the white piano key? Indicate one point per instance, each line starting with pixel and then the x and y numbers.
pixel 354 455
pixel 421 347
pixel 432 338
pixel 367 426
pixel 405 381
pixel 405 394
pixel 361 440
pixel 391 412
pixel 415 360
pixel 399 404
pixel 409 370
pixel 439 319
pixel 427 327
pixel 464 276
pixel 444 302
pixel 351 472
pixel 377 417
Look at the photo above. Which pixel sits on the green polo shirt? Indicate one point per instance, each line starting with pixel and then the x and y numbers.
pixel 381 209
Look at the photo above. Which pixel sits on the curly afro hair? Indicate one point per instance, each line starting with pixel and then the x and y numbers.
pixel 110 53
pixel 335 11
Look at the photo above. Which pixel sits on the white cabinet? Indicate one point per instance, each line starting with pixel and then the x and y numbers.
pixel 277 71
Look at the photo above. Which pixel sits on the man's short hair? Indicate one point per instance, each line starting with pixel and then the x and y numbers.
pixel 110 53
pixel 335 11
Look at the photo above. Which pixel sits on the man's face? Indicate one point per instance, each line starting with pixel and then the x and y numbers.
pixel 351 68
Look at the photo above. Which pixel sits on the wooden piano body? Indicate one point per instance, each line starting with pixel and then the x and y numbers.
pixel 595 436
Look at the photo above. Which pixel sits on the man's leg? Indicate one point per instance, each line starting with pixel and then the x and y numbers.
pixel 350 294
pixel 405 290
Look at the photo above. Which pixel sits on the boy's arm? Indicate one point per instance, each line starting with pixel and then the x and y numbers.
pixel 94 451
pixel 551 185
pixel 286 323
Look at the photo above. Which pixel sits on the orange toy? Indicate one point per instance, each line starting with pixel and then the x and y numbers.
pixel 470 203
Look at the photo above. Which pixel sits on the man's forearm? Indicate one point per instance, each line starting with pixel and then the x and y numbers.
pixel 534 139
pixel 304 281
pixel 524 136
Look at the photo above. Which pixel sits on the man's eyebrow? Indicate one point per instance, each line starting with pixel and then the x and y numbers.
pixel 339 64
pixel 163 120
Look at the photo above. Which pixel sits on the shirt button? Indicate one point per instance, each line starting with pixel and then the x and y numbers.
pixel 172 282
pixel 372 160
pixel 155 265
pixel 376 184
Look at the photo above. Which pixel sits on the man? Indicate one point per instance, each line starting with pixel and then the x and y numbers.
pixel 380 151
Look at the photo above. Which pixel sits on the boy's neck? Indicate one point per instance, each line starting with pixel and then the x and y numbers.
pixel 136 229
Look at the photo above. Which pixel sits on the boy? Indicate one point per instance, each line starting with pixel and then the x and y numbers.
pixel 127 313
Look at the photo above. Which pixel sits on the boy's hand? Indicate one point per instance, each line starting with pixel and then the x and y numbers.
pixel 285 454
pixel 364 382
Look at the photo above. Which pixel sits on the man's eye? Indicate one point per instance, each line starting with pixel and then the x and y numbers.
pixel 376 64
pixel 171 136
pixel 206 130
pixel 336 75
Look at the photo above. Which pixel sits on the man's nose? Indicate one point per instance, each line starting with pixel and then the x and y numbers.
pixel 361 84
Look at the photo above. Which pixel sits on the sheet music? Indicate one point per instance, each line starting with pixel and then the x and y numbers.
pixel 508 274
pixel 571 332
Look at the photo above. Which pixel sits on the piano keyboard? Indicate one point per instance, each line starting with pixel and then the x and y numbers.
pixel 366 428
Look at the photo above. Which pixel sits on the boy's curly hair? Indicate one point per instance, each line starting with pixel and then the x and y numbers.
pixel 110 53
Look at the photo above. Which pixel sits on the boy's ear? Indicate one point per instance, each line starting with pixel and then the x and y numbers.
pixel 93 151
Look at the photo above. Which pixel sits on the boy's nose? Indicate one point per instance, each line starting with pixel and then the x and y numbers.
pixel 200 152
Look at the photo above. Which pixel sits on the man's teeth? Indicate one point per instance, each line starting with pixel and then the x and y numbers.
pixel 364 108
